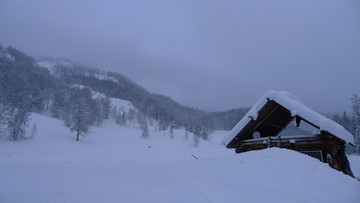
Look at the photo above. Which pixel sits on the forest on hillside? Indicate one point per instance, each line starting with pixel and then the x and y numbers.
pixel 80 96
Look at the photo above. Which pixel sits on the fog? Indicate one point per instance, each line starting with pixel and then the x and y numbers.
pixel 214 55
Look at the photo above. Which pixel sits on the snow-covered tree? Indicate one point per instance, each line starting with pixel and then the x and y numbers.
pixel 131 116
pixel 16 119
pixel 80 122
pixel 58 106
pixel 145 130
pixel 346 122
pixel 16 103
pixel 357 139
pixel 196 140
pixel 356 121
pixel 33 131
pixel 94 111
pixel 105 107
pixel 205 134
pixel 143 126
pixel 171 132
pixel 120 117
pixel 186 135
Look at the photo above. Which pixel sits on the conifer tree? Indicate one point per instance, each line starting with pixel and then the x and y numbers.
pixel 356 121
pixel 33 131
pixel 196 140
pixel 143 126
pixel 145 130
pixel 171 132
pixel 186 136
pixel 80 112
pixel 345 121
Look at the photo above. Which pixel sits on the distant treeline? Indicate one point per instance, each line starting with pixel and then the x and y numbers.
pixel 351 122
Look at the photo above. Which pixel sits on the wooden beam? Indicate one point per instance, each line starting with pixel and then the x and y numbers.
pixel 263 119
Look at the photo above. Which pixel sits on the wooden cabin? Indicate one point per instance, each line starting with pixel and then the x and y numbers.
pixel 260 128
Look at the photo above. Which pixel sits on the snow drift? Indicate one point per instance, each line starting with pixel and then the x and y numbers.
pixel 271 175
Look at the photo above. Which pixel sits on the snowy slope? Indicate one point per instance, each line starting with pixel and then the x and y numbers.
pixel 105 77
pixel 51 64
pixel 117 105
pixel 48 65
pixel 113 164
pixel 271 175
pixel 121 104
pixel 6 55
pixel 355 165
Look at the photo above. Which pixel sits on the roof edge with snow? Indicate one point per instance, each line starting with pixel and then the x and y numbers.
pixel 297 109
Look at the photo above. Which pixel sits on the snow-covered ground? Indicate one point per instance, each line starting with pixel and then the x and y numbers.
pixel 51 64
pixel 355 165
pixel 114 164
pixel 48 65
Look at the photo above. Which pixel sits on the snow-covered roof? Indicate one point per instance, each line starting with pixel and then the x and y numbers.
pixel 290 102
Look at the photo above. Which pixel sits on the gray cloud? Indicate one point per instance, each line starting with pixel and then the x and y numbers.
pixel 208 54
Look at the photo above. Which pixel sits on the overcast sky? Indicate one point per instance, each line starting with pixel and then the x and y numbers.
pixel 209 54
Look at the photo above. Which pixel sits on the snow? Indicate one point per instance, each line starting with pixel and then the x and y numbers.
pixel 48 65
pixel 81 87
pixel 355 165
pixel 290 102
pixel 271 175
pixel 118 104
pixel 51 65
pixel 101 77
pixel 10 57
pixel 265 139
pixel 114 164
pixel 105 77
pixel 124 105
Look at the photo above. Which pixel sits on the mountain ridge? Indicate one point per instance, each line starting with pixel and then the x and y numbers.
pixel 60 73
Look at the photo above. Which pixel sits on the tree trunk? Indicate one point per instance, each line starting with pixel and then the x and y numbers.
pixel 14 135
pixel 77 136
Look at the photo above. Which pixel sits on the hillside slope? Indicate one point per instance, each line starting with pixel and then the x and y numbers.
pixel 51 80
pixel 113 164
